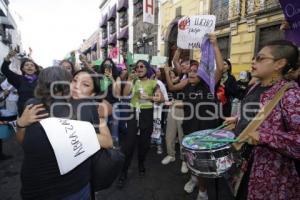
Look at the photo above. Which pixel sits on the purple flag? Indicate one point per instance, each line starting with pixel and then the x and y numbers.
pixel 291 10
pixel 206 70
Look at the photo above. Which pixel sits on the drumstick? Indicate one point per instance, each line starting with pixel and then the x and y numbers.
pixel 219 140
pixel 212 131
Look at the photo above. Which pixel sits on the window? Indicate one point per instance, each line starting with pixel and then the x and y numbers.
pixel 138 7
pixel 123 19
pixel 264 33
pixel 220 8
pixel 123 45
pixel 104 33
pixel 178 12
pixel 224 45
pixel 104 53
pixel 261 7
pixel 112 27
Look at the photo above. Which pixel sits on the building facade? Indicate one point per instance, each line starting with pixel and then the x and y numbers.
pixel 145 35
pixel 10 37
pixel 242 27
pixel 91 46
pixel 114 26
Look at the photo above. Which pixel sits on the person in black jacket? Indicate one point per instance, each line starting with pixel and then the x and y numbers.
pixel 227 89
pixel 24 83
pixel 40 176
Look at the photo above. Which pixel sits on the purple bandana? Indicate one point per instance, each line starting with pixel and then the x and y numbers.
pixel 31 78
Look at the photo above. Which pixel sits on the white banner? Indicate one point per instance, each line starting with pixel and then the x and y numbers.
pixel 149 11
pixel 72 141
pixel 192 30
pixel 159 60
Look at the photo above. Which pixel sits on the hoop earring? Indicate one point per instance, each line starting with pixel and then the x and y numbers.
pixel 274 78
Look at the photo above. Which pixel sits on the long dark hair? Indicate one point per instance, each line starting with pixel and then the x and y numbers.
pixel 94 77
pixel 24 61
pixel 70 63
pixel 59 78
pixel 229 65
pixel 114 69
pixel 150 70
pixel 283 49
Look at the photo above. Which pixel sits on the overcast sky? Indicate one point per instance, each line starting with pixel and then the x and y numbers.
pixel 52 28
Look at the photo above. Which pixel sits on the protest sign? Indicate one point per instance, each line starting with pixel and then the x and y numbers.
pixel 72 141
pixel 191 30
pixel 158 60
pixel 291 10
pixel 137 57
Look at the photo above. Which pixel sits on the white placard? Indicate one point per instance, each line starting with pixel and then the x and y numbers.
pixel 137 57
pixel 148 11
pixel 72 141
pixel 159 60
pixel 191 30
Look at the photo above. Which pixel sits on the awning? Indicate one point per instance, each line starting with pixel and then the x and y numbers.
pixel 122 5
pixel 104 43
pixel 7 24
pixel 3 8
pixel 88 50
pixel 94 47
pixel 112 13
pixel 112 39
pixel 103 21
pixel 123 34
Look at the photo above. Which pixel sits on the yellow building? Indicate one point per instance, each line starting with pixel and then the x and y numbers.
pixel 243 26
pixel 250 24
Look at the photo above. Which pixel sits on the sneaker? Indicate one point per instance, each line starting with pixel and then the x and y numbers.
pixel 202 195
pixel 159 149
pixel 190 185
pixel 184 168
pixel 167 160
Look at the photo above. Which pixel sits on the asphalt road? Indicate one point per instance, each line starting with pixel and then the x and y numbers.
pixel 160 183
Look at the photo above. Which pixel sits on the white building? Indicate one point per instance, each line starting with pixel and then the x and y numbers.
pixel 10 37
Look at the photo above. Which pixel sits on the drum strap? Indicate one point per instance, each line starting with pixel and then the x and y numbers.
pixel 260 117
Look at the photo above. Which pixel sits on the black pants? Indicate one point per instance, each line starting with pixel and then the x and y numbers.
pixel 131 139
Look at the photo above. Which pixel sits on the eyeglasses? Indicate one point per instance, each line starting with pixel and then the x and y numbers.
pixel 140 66
pixel 107 65
pixel 260 58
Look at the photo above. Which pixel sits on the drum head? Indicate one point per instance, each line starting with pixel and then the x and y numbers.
pixel 195 141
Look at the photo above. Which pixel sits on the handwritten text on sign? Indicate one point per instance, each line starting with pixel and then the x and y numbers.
pixel 72 141
pixel 192 30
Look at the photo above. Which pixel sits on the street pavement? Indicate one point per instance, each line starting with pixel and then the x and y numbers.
pixel 160 182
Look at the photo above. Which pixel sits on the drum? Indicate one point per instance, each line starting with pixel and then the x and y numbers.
pixel 208 155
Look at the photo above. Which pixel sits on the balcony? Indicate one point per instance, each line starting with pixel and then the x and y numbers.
pixel 104 33
pixel 257 7
pixel 112 27
pixel 220 8
pixel 138 8
pixel 7 39
pixel 123 16
pixel 3 8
